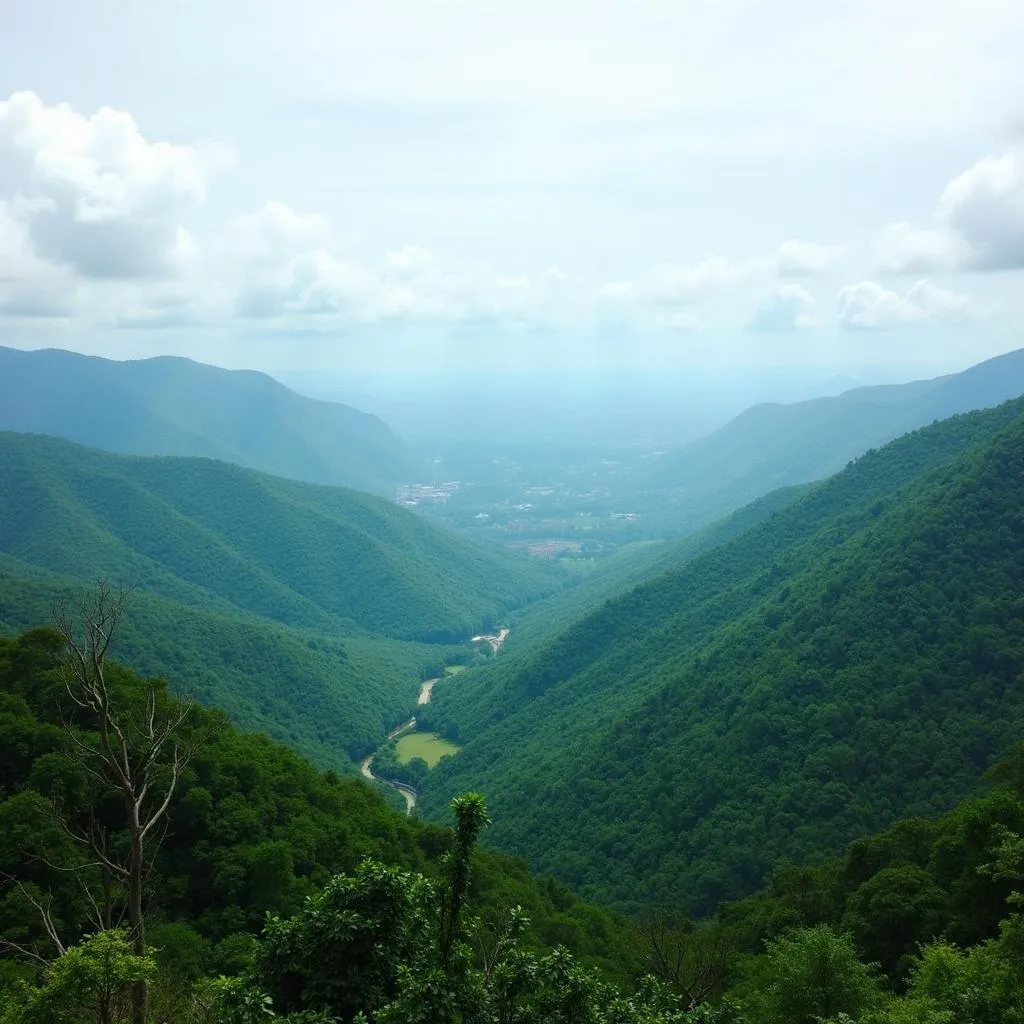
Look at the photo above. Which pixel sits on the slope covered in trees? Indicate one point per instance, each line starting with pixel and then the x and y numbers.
pixel 173 406
pixel 330 697
pixel 253 828
pixel 850 659
pixel 774 445
pixel 248 919
pixel 227 539
pixel 308 612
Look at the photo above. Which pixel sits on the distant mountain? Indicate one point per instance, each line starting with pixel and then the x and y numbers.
pixel 308 611
pixel 771 445
pixel 853 656
pixel 173 406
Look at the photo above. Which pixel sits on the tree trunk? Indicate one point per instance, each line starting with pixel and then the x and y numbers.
pixel 136 921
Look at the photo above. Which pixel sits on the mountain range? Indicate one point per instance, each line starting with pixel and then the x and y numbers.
pixel 174 406
pixel 307 611
pixel 774 445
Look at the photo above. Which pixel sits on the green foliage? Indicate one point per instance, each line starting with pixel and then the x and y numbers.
pixel 850 659
pixel 773 445
pixel 91 983
pixel 254 828
pixel 344 950
pixel 979 985
pixel 309 613
pixel 231 540
pixel 888 912
pixel 388 946
pixel 438 936
pixel 812 975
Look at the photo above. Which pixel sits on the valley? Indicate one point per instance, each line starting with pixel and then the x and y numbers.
pixel 661 721
pixel 411 744
pixel 760 659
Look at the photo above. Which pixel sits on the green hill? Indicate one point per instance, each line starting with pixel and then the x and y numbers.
pixel 772 445
pixel 918 923
pixel 173 406
pixel 850 658
pixel 253 828
pixel 306 611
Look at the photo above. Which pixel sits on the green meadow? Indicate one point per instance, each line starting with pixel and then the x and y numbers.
pixel 427 745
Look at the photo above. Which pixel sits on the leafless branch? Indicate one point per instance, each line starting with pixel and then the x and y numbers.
pixel 138 753
pixel 46 917
pixel 691 959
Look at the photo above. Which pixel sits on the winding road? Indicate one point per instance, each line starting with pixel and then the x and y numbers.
pixel 407 791
pixel 497 641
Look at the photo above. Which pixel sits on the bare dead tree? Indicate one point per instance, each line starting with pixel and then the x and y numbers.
pixel 138 752
pixel 44 907
pixel 692 960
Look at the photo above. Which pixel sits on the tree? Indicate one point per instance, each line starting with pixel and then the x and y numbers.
pixel 343 952
pixel 470 818
pixel 134 747
pixel 91 983
pixel 893 911
pixel 814 974
pixel 692 960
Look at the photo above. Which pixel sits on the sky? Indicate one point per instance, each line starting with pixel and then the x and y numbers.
pixel 405 185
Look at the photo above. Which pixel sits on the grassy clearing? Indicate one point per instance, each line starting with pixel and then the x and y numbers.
pixel 427 745
pixel 454 670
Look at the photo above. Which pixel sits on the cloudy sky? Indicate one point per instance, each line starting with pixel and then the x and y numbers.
pixel 327 183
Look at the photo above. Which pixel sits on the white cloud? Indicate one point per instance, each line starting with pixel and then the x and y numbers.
pixel 790 308
pixel 869 306
pixel 29 286
pixel 979 223
pixel 805 259
pixel 96 195
pixel 275 232
pixel 290 265
pixel 795 258
pixel 984 206
pixel 675 285
pixel 905 248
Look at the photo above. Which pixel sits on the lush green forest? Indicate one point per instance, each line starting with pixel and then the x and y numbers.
pixel 228 539
pixel 704 734
pixel 330 697
pixel 279 892
pixel 847 660
pixel 772 445
pixel 254 828
pixel 173 406
pixel 630 566
pixel 307 612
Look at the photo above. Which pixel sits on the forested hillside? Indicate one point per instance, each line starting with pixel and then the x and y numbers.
pixel 309 612
pixel 253 828
pixel 229 539
pixel 771 446
pixel 850 659
pixel 329 696
pixel 632 565
pixel 173 406
pixel 276 892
